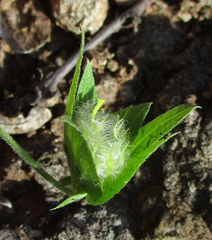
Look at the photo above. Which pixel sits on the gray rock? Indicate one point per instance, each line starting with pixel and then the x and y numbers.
pixel 71 15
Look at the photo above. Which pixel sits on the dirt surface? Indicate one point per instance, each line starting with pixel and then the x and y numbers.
pixel 163 57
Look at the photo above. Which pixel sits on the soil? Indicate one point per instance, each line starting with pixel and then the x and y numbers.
pixel 163 57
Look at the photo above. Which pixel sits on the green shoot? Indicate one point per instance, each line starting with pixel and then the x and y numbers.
pixel 104 150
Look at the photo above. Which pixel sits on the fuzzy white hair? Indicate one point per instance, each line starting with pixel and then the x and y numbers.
pixel 106 136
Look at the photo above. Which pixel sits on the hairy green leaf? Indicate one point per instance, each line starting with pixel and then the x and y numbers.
pixel 159 127
pixel 86 91
pixel 83 170
pixel 134 116
pixel 71 199
pixel 73 89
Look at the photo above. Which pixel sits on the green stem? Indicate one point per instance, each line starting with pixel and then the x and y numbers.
pixel 23 154
pixel 97 107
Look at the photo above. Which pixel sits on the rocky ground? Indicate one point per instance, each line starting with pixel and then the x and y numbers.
pixel 163 57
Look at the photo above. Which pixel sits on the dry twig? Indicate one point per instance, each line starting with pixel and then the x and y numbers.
pixel 50 84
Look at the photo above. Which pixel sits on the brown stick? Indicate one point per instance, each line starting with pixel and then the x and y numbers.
pixel 115 25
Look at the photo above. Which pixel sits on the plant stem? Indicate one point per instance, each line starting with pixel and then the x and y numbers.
pixel 23 154
pixel 97 107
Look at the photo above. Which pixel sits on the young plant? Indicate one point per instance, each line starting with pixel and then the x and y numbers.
pixel 104 149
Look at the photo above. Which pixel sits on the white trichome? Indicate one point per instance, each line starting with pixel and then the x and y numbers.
pixel 107 138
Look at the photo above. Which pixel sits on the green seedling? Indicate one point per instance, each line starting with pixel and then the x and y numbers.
pixel 104 150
